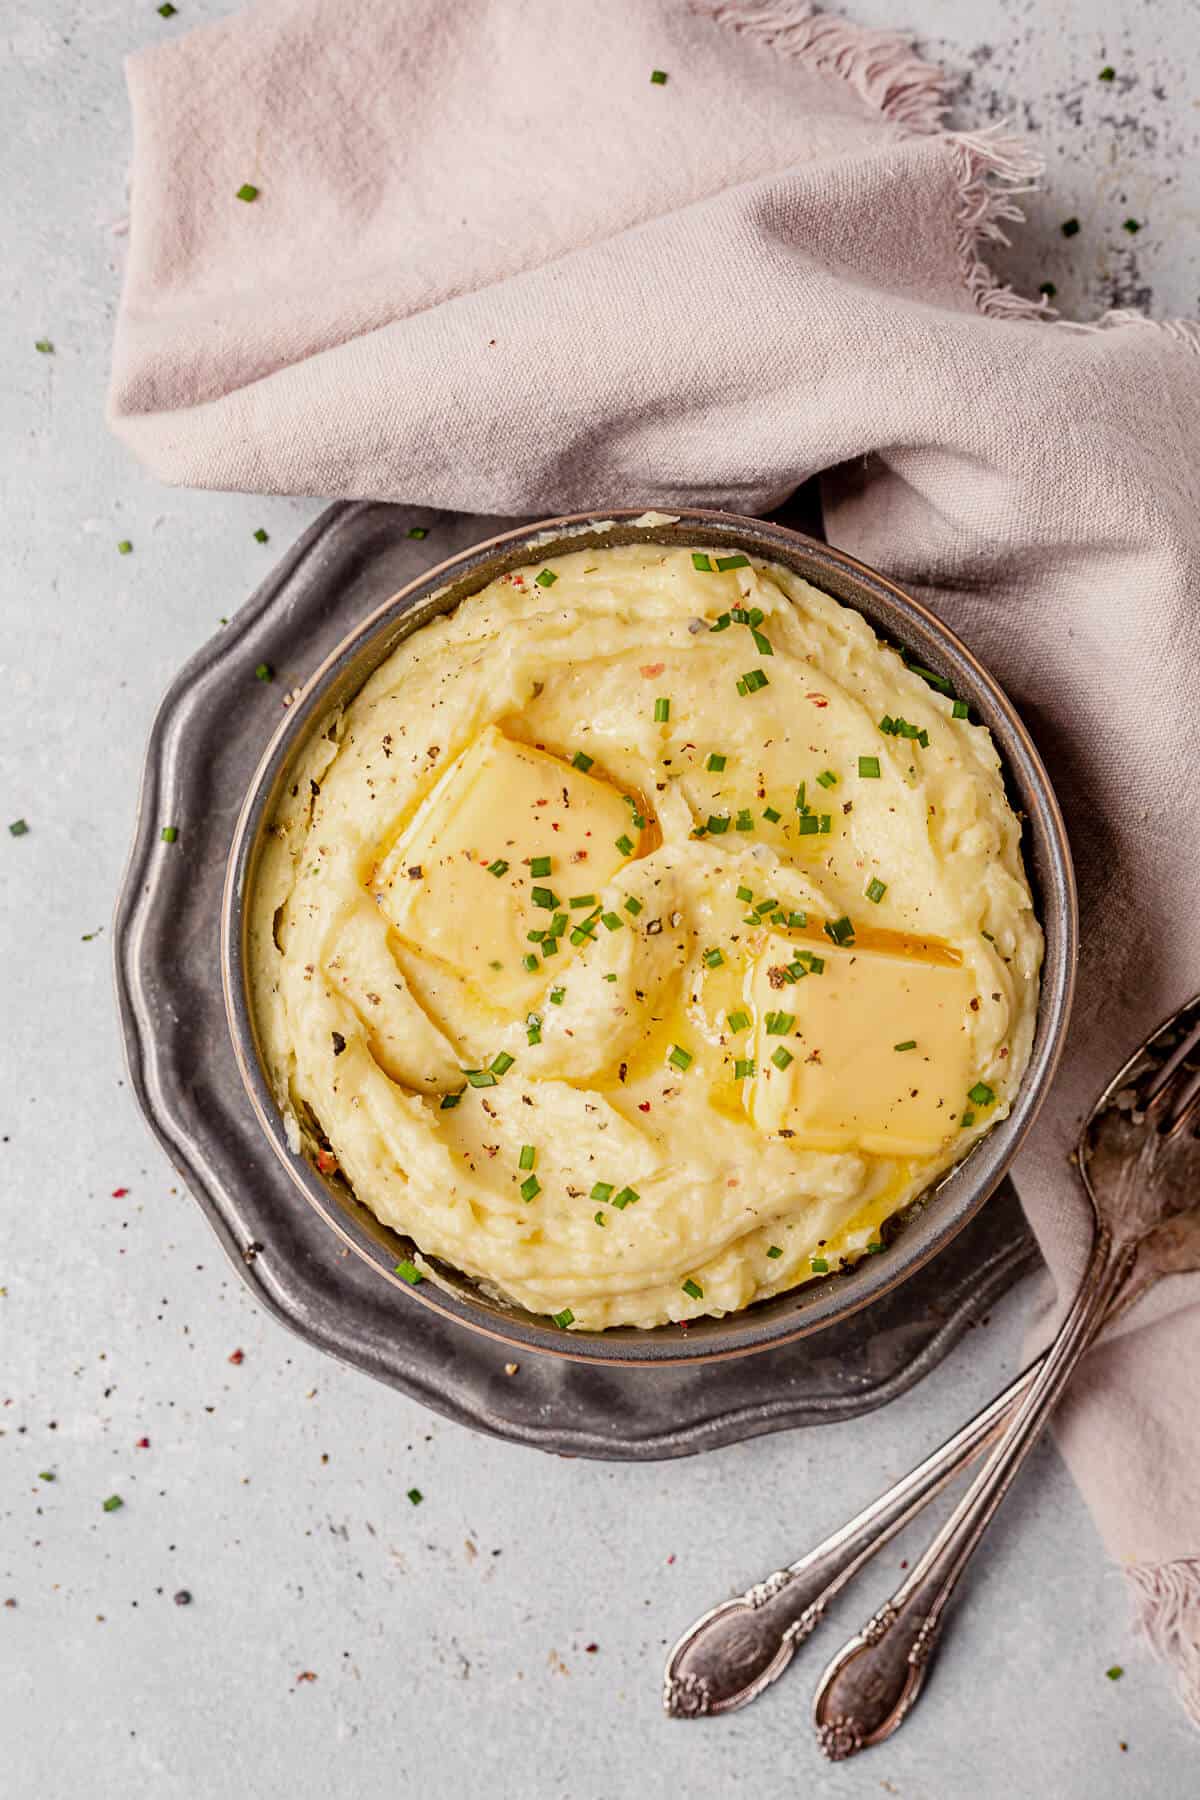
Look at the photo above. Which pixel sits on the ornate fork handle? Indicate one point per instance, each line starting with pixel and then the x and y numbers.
pixel 872 1683
pixel 733 1652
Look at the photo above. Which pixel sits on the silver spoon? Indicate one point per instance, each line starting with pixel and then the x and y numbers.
pixel 740 1647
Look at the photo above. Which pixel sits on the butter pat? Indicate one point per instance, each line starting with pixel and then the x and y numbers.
pixel 847 1086
pixel 459 885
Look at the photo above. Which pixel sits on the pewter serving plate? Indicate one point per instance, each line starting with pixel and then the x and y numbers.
pixel 204 748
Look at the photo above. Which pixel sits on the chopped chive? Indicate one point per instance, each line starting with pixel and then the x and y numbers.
pixel 564 1318
pixel 693 1289
pixel 556 996
pixel 247 192
pixel 773 1251
pixel 781 1057
pixel 826 822
pixel 544 897
pixel 658 78
pixel 744 820
pixel 841 930
pixel 539 865
pixel 981 1094
pixel 611 976
pixel 797 920
pixel 533 1029
pixel 876 889
pixel 450 1101
pixel 744 893
pixel 717 824
pixel 868 768
pixel 780 1023
pixel 582 900
pixel 581 760
pixel 530 962
pixel 722 622
pixel 712 959
pixel 547 578
pixel 816 965
pixel 908 1044
pixel 923 739
pixel 599 1219
pixel 416 1496
pixel 549 945
pixel 679 1057
pixel 968 1118
pixel 702 562
pixel 809 824
pixel 744 1068
pixel 935 681
pixel 751 681
pixel 480 1078
pixel 732 562
pixel 662 710
pixel 531 1188
pixel 417 531
pixel 961 709
pixel 1048 288
pixel 765 906
pixel 498 868
pixel 770 814
pixel 626 1197
pixel 827 778
pixel 169 832
pixel 738 1021
pixel 874 1247
pixel 264 672
pixel 801 801
pixel 624 845
pixel 409 1272
pixel 819 1265
pixel 124 548
pixel 502 1063
pixel 633 905
pixel 762 644
pixel 612 921
pixel 602 1192
pixel 715 764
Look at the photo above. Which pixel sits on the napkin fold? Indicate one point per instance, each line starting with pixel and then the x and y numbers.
pixel 484 258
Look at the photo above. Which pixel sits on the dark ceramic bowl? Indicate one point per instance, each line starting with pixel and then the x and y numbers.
pixel 930 1222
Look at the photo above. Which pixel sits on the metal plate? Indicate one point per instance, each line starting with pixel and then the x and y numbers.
pixel 203 749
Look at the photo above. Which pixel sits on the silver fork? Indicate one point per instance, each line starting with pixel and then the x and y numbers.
pixel 1140 1160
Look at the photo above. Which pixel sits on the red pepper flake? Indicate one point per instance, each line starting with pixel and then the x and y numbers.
pixel 237 1357
pixel 671 1558
pixel 650 670
pixel 142 1444
pixel 643 1106
pixel 326 1162
pixel 591 1649
pixel 306 1675
pixel 817 699
pixel 119 1193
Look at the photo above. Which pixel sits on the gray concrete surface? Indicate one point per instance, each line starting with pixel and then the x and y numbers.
pixel 505 1635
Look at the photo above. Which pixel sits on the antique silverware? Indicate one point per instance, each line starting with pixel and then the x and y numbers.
pixel 1139 1157
pixel 740 1647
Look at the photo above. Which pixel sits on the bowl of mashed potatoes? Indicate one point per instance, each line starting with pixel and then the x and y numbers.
pixel 649 937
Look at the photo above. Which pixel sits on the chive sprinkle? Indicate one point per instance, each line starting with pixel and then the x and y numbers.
pixel 722 622
pixel 781 1057
pixel 539 865
pixel 247 192
pixel 581 760
pixel 693 1289
pixel 868 768
pixel 602 1192
pixel 961 709
pixel 751 681
pixel 544 897
pixel 738 1021
pixel 874 1247
pixel 715 764
pixel 531 1188
pixel 547 578
pixel 480 1078
pixel 533 1029
pixel 564 1318
pixel 744 820
pixel 409 1272
pixel 612 921
pixel 717 824
pixel 712 959
pixel 827 778
pixel 801 802
pixel 449 1101
pixel 773 1251
pixel 626 1197
pixel 679 1057
pixel 935 681
pixel 876 889
pixel 809 824
pixel 633 905
pixel 981 1094
pixel 662 710
pixel 599 1219
pixel 557 995
pixel 744 1068
pixel 264 672
pixel 624 845
pixel 702 562
pixel 583 900
pixel 732 562
pixel 744 893
pixel 498 868
pixel 797 920
pixel 968 1118
pixel 840 930
pixel 44 347
pixel 779 1023
pixel 908 1044
pixel 527 1156
pixel 819 1265
pixel 762 644
pixel 770 813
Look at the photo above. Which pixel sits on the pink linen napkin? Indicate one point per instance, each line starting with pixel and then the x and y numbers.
pixel 486 259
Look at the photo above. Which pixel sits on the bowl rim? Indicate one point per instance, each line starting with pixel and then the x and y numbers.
pixel 837 1296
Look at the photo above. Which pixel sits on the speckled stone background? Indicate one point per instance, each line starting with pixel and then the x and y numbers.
pixel 504 1634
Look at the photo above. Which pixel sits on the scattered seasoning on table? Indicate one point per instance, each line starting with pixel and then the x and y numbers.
pixel 1070 227
pixel 237 1357
pixel 182 1598
pixel 1115 1673
pixel 658 78
pixel 1048 288
pixel 18 828
pixel 1131 226
pixel 114 1503
pixel 418 531
pixel 247 192
pixel 306 1675
pixel 261 537
pixel 409 1272
pixel 47 1475
pixel 264 672
pixel 167 11
pixel 88 936
pixel 416 1496
pixel 1108 73
pixel 44 346
pixel 170 833
pixel 124 548
pixel 564 1318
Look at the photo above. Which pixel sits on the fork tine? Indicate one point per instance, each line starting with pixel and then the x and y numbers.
pixel 1185 1107
pixel 1159 1081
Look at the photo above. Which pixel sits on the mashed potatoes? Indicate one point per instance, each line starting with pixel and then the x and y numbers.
pixel 644 935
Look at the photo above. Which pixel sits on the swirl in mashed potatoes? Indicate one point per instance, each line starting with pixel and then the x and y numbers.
pixel 643 936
